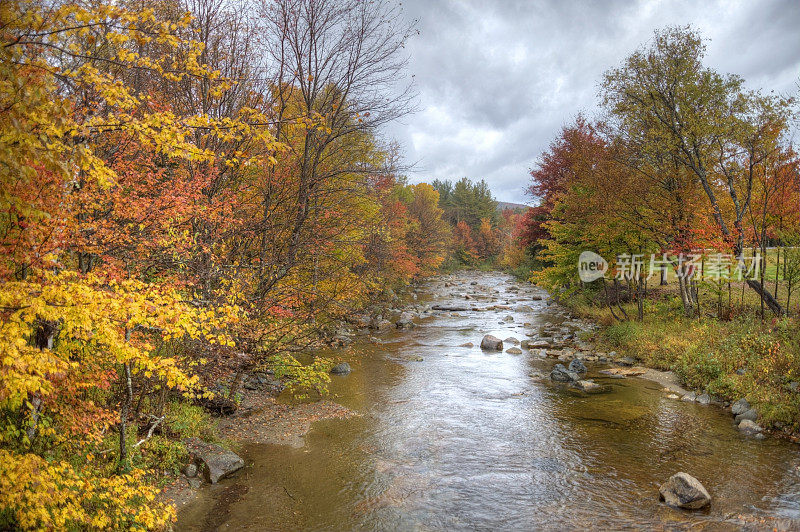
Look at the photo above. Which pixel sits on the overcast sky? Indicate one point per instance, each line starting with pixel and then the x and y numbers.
pixel 498 79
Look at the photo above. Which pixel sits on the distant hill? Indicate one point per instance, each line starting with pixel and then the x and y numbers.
pixel 503 205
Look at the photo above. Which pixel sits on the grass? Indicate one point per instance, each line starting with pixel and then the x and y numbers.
pixel 740 357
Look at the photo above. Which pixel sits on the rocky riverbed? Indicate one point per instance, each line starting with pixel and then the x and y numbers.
pixel 429 430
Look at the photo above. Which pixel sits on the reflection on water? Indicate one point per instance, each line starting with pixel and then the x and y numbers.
pixel 465 439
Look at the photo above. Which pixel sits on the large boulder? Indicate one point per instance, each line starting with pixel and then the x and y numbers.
pixel 217 462
pixel 682 490
pixel 577 366
pixel 561 374
pixel 491 343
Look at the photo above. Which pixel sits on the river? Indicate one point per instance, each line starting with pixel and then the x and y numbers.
pixel 454 438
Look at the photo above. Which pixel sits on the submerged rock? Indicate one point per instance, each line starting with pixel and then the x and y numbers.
pixel 468 344
pixel 514 351
pixel 491 343
pixel 341 369
pixel 217 462
pixel 682 490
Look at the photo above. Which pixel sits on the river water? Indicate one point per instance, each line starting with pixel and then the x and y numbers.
pixel 454 438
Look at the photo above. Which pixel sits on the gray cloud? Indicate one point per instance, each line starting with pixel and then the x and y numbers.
pixel 497 79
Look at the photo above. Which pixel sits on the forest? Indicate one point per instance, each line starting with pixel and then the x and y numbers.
pixel 191 191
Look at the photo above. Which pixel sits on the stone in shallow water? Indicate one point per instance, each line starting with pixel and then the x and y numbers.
pixel 750 415
pixel 577 366
pixel 491 343
pixel 514 351
pixel 561 374
pixel 750 427
pixel 682 490
pixel 341 369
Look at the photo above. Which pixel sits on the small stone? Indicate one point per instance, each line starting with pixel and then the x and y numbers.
pixel 704 399
pixel 740 407
pixel 794 386
pixel 684 491
pixel 468 344
pixel 673 396
pixel 194 483
pixel 511 340
pixel 514 351
pixel 750 427
pixel 627 361
pixel 341 369
pixel 690 397
pixel 749 415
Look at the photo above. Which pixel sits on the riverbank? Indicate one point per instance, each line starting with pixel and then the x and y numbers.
pixel 721 361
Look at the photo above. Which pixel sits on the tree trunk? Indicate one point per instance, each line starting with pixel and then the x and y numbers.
pixel 766 297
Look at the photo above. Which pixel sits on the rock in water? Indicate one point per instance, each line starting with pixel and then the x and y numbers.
pixel 561 374
pixel 740 407
pixel 406 321
pixel 514 351
pixel 750 415
pixel 682 490
pixel 588 386
pixel 577 366
pixel 341 369
pixel 491 343
pixel 750 427
pixel 217 462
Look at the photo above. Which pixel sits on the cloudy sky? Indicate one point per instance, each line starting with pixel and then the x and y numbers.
pixel 497 79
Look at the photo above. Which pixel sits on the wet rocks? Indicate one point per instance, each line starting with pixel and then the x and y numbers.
pixel 704 399
pixel 511 340
pixel 690 397
pixel 627 361
pixel 684 491
pixel 468 344
pixel 562 374
pixel 740 407
pixel 342 368
pixel 514 351
pixel 750 428
pixel 577 366
pixel 491 343
pixel 217 462
pixel 405 321
pixel 748 415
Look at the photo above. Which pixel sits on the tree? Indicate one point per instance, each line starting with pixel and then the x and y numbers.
pixel 671 103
